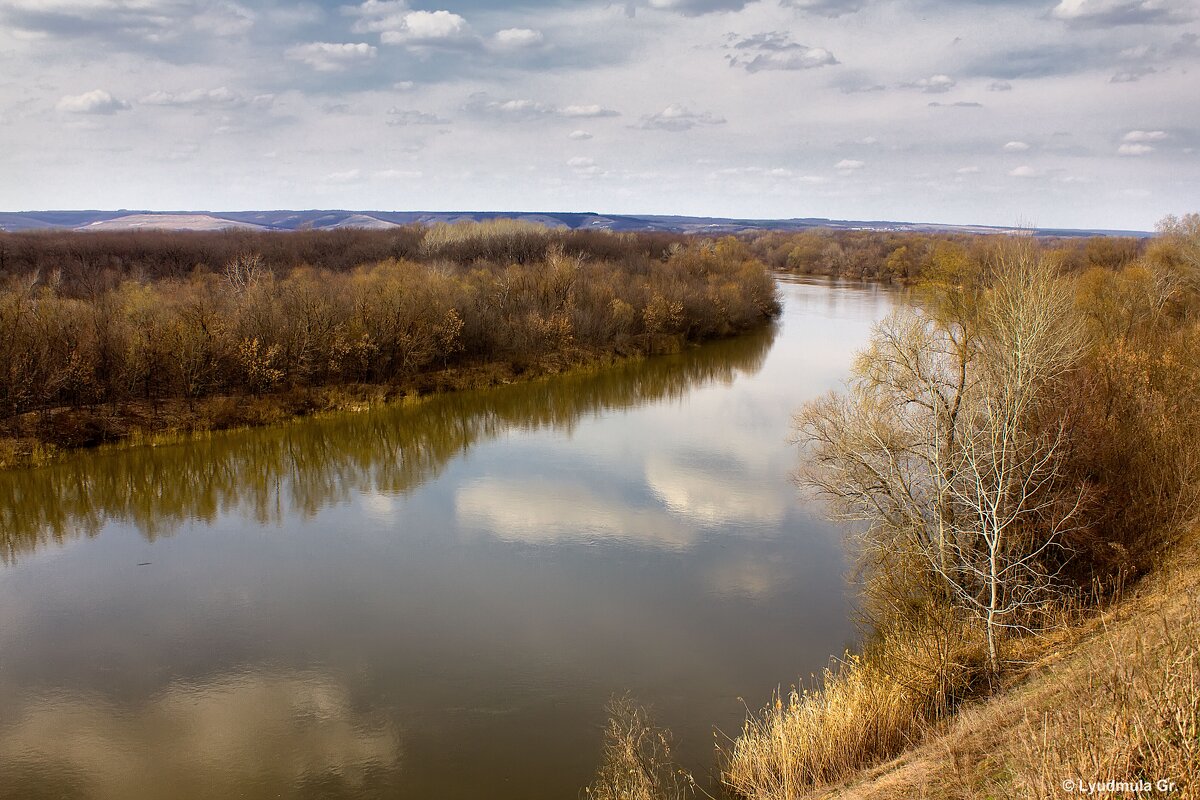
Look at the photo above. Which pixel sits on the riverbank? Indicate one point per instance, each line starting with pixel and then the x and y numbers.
pixel 1115 696
pixel 44 437
pixel 1028 563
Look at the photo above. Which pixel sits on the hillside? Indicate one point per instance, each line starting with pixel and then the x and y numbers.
pixel 317 219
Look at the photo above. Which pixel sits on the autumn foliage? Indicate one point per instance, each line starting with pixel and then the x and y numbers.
pixel 79 328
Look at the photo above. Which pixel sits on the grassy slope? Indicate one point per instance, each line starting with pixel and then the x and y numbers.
pixel 1116 697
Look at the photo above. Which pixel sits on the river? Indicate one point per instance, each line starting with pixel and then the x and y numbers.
pixel 434 600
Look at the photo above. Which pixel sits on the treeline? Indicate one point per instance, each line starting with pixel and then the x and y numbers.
pixel 98 261
pixel 905 257
pixel 1015 450
pixel 475 295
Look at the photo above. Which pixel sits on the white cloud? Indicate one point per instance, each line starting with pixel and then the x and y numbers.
pixel 589 111
pixel 376 16
pixel 1119 12
pixel 517 38
pixel 677 118
pixel 934 84
pixel 348 176
pixel 221 96
pixel 331 56
pixel 826 8
pixel 1135 149
pixel 967 171
pixel 691 8
pixel 427 28
pixel 96 101
pixel 849 165
pixel 999 86
pixel 776 51
pixel 1015 147
pixel 584 166
pixel 1144 136
pixel 803 58
pixel 224 19
pixel 1025 172
pixel 408 116
pixel 579 136
pixel 524 108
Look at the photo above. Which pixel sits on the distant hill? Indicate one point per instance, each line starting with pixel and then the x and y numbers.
pixel 298 220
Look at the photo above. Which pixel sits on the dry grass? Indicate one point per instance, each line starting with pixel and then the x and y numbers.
pixel 1116 697
pixel 866 709
pixel 637 762
pixel 1128 710
pixel 858 716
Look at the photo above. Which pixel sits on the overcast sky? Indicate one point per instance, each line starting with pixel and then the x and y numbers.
pixel 1085 113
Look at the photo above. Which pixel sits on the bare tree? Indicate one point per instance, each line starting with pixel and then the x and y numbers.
pixel 945 446
pixel 245 271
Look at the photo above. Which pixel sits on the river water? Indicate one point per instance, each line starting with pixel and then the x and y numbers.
pixel 429 601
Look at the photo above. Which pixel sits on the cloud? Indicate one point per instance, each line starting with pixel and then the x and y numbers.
pixel 693 8
pixel 517 38
pixel 999 86
pixel 523 109
pixel 1055 58
pixel 863 88
pixel 1015 147
pixel 196 98
pixel 348 176
pixel 1129 149
pixel 399 117
pixel 934 84
pixel 579 136
pixel 1025 172
pixel 967 171
pixel 429 28
pixel 1132 75
pixel 959 104
pixel 96 101
pixel 825 8
pixel 1103 13
pixel 677 118
pixel 776 51
pixel 224 19
pixel 848 165
pixel 590 111
pixel 582 165
pixel 1145 136
pixel 331 56
pixel 397 24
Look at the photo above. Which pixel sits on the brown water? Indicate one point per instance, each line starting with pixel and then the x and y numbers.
pixel 432 601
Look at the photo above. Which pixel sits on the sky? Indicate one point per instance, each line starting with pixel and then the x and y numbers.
pixel 1079 113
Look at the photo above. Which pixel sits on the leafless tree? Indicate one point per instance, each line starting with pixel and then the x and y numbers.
pixel 944 446
pixel 245 271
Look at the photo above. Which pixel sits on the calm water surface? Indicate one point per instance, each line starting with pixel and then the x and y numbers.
pixel 433 601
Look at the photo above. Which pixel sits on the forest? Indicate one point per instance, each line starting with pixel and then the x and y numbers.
pixel 108 335
pixel 906 257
